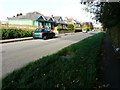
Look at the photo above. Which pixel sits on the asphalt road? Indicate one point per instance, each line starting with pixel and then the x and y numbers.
pixel 18 54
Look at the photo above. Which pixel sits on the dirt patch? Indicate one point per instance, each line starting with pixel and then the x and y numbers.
pixel 66 55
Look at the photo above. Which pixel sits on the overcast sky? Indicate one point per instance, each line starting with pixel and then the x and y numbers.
pixel 64 8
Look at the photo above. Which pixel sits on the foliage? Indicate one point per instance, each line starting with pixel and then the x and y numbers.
pixel 114 33
pixel 67 30
pixel 108 14
pixel 70 26
pixel 87 25
pixel 9 33
pixel 73 67
pixel 109 17
pixel 90 25
pixel 19 14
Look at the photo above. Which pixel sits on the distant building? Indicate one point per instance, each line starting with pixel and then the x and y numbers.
pixel 39 20
pixel 28 19
pixel 50 22
pixel 3 22
pixel 32 19
pixel 59 22
pixel 73 21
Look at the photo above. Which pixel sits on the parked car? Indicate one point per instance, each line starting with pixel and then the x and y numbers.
pixel 43 33
pixel 84 30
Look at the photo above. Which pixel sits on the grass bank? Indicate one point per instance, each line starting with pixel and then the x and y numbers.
pixel 72 67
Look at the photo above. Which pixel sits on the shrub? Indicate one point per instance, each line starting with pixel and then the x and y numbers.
pixel 70 26
pixel 9 33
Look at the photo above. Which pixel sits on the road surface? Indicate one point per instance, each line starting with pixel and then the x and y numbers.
pixel 18 54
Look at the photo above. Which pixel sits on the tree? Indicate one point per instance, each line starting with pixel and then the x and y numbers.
pixel 105 12
pixel 70 26
pixel 108 14
pixel 19 14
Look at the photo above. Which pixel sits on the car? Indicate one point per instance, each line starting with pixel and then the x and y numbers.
pixel 84 31
pixel 43 33
pixel 93 30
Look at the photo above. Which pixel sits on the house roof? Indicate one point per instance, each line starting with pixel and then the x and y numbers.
pixel 31 16
pixel 57 18
pixel 62 22
pixel 49 18
pixel 40 17
pixel 77 21
pixel 71 20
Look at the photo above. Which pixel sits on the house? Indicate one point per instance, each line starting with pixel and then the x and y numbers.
pixel 39 20
pixel 73 21
pixel 50 22
pixel 3 22
pixel 28 19
pixel 33 19
pixel 59 22
pixel 46 21
pixel 77 24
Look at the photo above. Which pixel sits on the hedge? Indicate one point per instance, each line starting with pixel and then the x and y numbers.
pixel 10 33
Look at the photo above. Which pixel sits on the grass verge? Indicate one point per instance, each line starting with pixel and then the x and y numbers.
pixel 72 67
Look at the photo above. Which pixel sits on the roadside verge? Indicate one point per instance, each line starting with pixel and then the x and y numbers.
pixel 15 40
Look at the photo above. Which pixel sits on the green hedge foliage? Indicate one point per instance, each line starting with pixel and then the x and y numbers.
pixel 9 33
pixel 70 26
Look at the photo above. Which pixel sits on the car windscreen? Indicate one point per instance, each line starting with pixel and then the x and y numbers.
pixel 37 30
pixel 42 30
pixel 45 30
pixel 48 30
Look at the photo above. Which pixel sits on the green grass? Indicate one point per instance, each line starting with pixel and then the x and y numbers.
pixel 72 67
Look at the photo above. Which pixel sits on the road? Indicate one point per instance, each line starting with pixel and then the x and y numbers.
pixel 18 54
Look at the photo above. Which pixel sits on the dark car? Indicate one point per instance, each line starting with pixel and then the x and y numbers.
pixel 43 33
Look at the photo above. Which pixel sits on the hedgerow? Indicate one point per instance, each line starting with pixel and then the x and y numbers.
pixel 10 33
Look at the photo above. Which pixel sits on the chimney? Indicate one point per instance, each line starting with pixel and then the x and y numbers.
pixel 52 16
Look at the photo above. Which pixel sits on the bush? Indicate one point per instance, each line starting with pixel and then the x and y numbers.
pixel 8 33
pixel 73 67
pixel 70 26
pixel 114 33
pixel 65 30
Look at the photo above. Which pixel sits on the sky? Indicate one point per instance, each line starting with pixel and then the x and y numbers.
pixel 64 8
